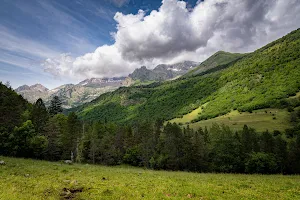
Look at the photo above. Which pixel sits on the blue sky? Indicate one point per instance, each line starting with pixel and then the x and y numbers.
pixel 54 42
pixel 45 28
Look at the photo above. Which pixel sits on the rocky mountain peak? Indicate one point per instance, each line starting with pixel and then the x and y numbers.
pixel 163 71
pixel 39 87
pixel 23 87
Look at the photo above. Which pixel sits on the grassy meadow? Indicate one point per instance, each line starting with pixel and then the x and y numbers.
pixel 31 179
pixel 261 120
pixel 190 116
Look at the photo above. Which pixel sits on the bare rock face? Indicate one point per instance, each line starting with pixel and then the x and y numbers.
pixel 22 88
pixel 128 82
pixel 163 72
pixel 32 93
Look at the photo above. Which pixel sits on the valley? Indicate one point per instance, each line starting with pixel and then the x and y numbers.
pixel 150 99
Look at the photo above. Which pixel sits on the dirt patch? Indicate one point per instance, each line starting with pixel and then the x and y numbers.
pixel 70 193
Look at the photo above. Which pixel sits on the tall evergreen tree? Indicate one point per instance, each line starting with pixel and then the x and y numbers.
pixel 281 153
pixel 55 106
pixel 199 152
pixel 294 156
pixel 173 146
pixel 267 142
pixel 12 107
pixel 39 115
pixel 72 135
pixel 53 131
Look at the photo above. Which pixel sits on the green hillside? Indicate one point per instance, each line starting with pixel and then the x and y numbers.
pixel 219 60
pixel 261 79
pixel 270 119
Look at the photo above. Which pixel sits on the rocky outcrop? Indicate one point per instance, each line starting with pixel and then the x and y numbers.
pixel 163 72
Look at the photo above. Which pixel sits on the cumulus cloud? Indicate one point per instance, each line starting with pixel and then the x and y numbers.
pixel 175 32
pixel 59 66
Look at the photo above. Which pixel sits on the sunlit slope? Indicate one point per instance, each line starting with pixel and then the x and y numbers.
pixel 217 61
pixel 261 120
pixel 257 80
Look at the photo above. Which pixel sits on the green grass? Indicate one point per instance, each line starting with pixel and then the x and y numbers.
pixel 218 59
pixel 30 179
pixel 190 116
pixel 261 120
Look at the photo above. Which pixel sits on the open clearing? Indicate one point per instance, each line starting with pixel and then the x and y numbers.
pixel 190 116
pixel 31 179
pixel 261 120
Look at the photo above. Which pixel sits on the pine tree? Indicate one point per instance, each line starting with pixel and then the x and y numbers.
pixel 71 136
pixel 39 115
pixel 294 156
pixel 199 152
pixel 55 106
pixel 267 142
pixel 281 153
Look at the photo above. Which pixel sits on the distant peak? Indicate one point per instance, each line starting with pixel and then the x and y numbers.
pixel 21 88
pixel 35 87
pixel 39 86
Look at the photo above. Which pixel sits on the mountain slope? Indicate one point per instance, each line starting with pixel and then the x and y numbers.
pixel 258 80
pixel 220 59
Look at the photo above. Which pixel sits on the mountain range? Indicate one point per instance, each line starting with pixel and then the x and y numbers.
pixel 73 95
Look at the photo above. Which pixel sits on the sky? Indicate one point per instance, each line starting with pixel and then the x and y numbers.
pixel 54 42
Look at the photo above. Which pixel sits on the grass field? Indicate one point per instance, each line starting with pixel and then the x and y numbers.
pixel 30 179
pixel 190 116
pixel 261 120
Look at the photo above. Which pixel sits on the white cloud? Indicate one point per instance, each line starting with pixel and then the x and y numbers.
pixel 175 33
pixel 59 66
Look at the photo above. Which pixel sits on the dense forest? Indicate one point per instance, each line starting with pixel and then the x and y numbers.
pixel 261 79
pixel 34 131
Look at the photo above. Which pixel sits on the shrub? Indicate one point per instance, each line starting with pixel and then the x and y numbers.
pixel 261 163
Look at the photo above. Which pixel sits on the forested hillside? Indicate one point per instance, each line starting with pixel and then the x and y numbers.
pixel 12 108
pixel 262 79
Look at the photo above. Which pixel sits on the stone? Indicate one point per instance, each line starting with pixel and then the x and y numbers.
pixel 69 162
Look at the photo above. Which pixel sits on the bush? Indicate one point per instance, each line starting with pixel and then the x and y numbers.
pixel 132 156
pixel 261 163
pixel 290 109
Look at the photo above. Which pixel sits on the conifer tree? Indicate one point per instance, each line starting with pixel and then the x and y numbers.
pixel 55 106
pixel 39 115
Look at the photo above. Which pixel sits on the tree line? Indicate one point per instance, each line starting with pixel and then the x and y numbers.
pixel 34 131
